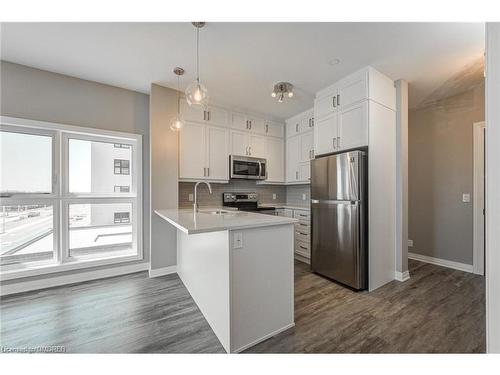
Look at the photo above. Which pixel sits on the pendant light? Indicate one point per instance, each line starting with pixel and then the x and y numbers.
pixel 177 123
pixel 196 93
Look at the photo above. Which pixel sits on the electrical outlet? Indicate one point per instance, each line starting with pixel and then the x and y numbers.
pixel 274 196
pixel 237 240
pixel 410 243
pixel 466 197
pixel 190 197
pixel 304 196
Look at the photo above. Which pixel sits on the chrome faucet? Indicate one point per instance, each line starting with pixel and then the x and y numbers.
pixel 195 205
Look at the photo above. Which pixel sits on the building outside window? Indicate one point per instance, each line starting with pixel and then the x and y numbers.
pixel 61 203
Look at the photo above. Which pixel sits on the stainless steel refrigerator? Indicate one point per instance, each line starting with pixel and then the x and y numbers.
pixel 339 218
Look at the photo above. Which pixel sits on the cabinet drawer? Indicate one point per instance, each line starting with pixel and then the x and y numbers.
pixel 302 236
pixel 303 226
pixel 303 249
pixel 302 215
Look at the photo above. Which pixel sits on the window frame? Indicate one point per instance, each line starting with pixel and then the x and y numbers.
pixel 60 198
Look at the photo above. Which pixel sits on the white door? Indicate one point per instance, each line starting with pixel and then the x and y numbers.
pixel 325 134
pixel 217 116
pixel 239 143
pixel 217 153
pixel 352 89
pixel 192 151
pixel 275 129
pixel 239 122
pixel 478 200
pixel 292 159
pixel 257 146
pixel 306 146
pixel 192 113
pixel 353 126
pixel 275 160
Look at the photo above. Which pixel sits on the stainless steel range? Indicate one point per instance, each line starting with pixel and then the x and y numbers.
pixel 245 202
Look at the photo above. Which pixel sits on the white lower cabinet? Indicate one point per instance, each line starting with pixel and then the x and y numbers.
pixel 203 152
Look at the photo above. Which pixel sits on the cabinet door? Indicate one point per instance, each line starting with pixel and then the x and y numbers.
pixel 216 116
pixel 275 160
pixel 326 105
pixel 353 126
pixel 275 129
pixel 352 89
pixel 217 153
pixel 257 126
pixel 325 134
pixel 192 113
pixel 192 151
pixel 293 127
pixel 239 122
pixel 257 146
pixel 306 146
pixel 292 159
pixel 305 171
pixel 239 143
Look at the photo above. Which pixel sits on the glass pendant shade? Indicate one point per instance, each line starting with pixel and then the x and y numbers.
pixel 197 94
pixel 176 123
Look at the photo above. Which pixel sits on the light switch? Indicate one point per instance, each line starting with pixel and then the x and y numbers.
pixel 303 197
pixel 190 197
pixel 237 240
pixel 274 196
pixel 466 197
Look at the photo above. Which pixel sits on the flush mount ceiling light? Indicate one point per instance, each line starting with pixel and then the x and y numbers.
pixel 196 93
pixel 334 62
pixel 177 122
pixel 282 90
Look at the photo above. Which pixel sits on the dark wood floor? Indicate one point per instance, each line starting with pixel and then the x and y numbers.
pixel 437 310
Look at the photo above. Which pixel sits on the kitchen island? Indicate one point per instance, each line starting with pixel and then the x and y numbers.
pixel 238 267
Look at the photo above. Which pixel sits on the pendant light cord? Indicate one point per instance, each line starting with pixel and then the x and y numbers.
pixel 198 55
pixel 178 96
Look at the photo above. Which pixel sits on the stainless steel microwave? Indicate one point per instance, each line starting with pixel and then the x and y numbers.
pixel 248 168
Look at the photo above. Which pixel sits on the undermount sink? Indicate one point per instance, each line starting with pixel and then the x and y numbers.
pixel 219 212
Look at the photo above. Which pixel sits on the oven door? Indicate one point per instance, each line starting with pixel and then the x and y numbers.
pixel 248 168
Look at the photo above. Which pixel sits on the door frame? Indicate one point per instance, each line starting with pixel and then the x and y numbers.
pixel 478 201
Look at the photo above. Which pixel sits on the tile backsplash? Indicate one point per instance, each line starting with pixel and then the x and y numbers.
pixel 205 199
pixel 290 194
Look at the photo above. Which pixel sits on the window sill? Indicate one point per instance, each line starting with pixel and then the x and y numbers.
pixel 17 272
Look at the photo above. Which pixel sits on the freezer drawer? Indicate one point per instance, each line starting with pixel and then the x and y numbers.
pixel 337 250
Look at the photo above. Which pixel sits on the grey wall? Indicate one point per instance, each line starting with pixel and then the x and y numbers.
pixel 215 199
pixel 439 171
pixel 164 186
pixel 40 95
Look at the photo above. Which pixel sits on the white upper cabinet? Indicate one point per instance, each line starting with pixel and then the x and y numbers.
pixel 352 89
pixel 239 121
pixel 257 146
pixel 325 134
pixel 192 143
pixel 353 126
pixel 292 159
pixel 217 149
pixel 306 147
pixel 212 115
pixel 275 160
pixel 203 152
pixel 239 143
pixel 257 125
pixel 274 129
pixel 305 171
pixel 248 123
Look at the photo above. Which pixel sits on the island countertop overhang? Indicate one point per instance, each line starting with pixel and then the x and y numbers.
pixel 204 221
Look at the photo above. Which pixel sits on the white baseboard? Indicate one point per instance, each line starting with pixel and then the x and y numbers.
pixel 244 347
pixel 402 276
pixel 75 277
pixel 442 262
pixel 162 271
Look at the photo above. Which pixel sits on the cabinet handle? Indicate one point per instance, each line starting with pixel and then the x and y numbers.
pixel 208 168
pixel 250 149
pixel 312 122
pixel 204 115
pixel 334 139
pixel 208 115
pixel 302 247
pixel 296 128
pixel 338 142
pixel 267 128
pixel 334 98
pixel 302 233
pixel 338 99
pixel 296 175
pixel 204 172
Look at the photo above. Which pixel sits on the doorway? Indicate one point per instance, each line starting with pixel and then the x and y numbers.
pixel 478 202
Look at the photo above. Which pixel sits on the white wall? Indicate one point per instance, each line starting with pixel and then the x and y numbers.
pixel 492 187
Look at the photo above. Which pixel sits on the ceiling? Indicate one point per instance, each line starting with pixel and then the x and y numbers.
pixel 240 62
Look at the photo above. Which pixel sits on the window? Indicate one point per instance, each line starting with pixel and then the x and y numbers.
pixel 122 217
pixel 122 166
pixel 122 189
pixel 61 206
